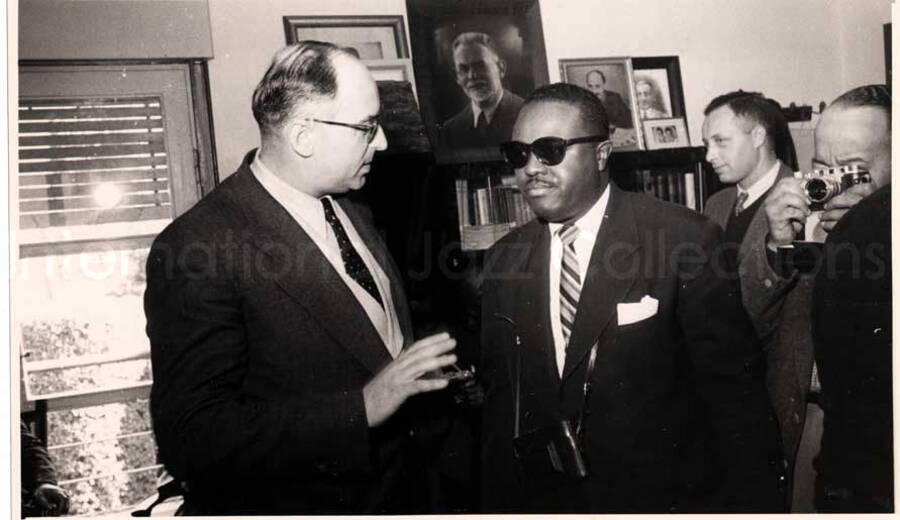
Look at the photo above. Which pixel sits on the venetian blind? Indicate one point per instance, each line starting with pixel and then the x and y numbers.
pixel 85 161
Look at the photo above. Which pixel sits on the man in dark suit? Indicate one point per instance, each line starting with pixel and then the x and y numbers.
pixel 675 416
pixel 617 111
pixel 749 145
pixel 847 309
pixel 280 336
pixel 488 118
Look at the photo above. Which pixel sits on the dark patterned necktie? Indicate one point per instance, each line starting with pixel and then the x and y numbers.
pixel 739 203
pixel 353 263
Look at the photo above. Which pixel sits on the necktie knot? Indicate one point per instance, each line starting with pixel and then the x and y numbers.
pixel 568 234
pixel 739 203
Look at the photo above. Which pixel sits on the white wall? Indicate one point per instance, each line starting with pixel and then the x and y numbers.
pixel 804 51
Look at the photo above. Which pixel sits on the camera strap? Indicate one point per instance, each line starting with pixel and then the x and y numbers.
pixel 592 361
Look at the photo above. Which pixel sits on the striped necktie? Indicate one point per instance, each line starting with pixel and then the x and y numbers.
pixel 569 281
pixel 353 263
pixel 739 203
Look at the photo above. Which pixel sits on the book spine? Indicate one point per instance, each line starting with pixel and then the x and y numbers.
pixel 690 193
pixel 674 195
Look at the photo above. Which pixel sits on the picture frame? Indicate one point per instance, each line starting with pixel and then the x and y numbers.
pixel 393 70
pixel 666 94
pixel 611 80
pixel 665 133
pixel 514 27
pixel 370 37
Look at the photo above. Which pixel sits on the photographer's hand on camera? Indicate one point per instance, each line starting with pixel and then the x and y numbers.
pixel 841 204
pixel 787 207
pixel 400 379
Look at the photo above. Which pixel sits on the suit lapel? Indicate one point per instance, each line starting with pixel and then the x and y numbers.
pixel 759 226
pixel 722 213
pixel 310 279
pixel 610 275
pixel 377 247
pixel 533 302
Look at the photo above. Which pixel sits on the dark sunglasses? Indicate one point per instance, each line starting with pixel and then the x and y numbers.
pixel 548 150
pixel 371 129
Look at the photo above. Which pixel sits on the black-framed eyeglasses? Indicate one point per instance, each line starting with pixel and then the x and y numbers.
pixel 371 129
pixel 548 150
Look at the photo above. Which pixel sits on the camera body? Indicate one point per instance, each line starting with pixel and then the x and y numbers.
pixel 823 184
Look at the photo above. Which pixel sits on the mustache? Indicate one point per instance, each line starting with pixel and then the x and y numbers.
pixel 539 182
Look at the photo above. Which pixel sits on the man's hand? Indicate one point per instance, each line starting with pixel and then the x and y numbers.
pixel 400 379
pixel 52 499
pixel 787 207
pixel 836 207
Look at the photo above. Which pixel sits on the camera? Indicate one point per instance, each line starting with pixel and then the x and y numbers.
pixel 823 184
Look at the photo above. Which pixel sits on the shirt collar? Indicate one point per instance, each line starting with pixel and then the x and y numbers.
pixel 761 186
pixel 292 199
pixel 488 112
pixel 589 223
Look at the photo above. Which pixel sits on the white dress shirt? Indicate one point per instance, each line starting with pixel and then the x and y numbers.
pixel 588 227
pixel 759 188
pixel 307 211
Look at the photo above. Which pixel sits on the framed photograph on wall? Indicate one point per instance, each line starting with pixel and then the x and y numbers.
pixel 474 63
pixel 665 133
pixel 610 79
pixel 657 86
pixel 370 37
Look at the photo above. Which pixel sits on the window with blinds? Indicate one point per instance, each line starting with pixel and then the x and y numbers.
pixel 92 161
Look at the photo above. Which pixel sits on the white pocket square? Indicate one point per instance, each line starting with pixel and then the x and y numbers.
pixel 629 313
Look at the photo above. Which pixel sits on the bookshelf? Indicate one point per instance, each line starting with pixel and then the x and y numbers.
pixel 489 204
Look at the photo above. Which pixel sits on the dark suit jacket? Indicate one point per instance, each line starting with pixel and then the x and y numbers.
pixel 851 325
pixel 677 419
pixel 779 308
pixel 617 111
pixel 260 353
pixel 459 131
pixel 37 469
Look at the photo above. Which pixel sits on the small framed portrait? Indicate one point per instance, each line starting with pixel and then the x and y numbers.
pixel 369 37
pixel 610 79
pixel 665 133
pixel 657 87
pixel 474 64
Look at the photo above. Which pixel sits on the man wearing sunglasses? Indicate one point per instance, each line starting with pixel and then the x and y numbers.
pixel 619 367
pixel 283 356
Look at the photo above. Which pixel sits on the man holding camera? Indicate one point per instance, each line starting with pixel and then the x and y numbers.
pixel 621 373
pixel 843 300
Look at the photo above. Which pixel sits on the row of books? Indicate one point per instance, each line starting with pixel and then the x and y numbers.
pixel 492 204
pixel 671 186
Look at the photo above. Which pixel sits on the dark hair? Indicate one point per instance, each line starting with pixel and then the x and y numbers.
pixel 298 73
pixel 875 96
pixel 766 112
pixel 596 71
pixel 590 108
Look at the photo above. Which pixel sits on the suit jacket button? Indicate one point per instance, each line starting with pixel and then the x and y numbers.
pixel 767 283
pixel 797 418
pixel 412 433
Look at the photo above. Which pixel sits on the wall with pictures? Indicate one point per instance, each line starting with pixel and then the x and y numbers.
pixel 804 51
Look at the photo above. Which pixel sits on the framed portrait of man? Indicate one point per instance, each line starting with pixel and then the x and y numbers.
pixel 474 63
pixel 610 79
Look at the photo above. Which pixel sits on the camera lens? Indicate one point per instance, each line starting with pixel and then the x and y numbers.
pixel 817 189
